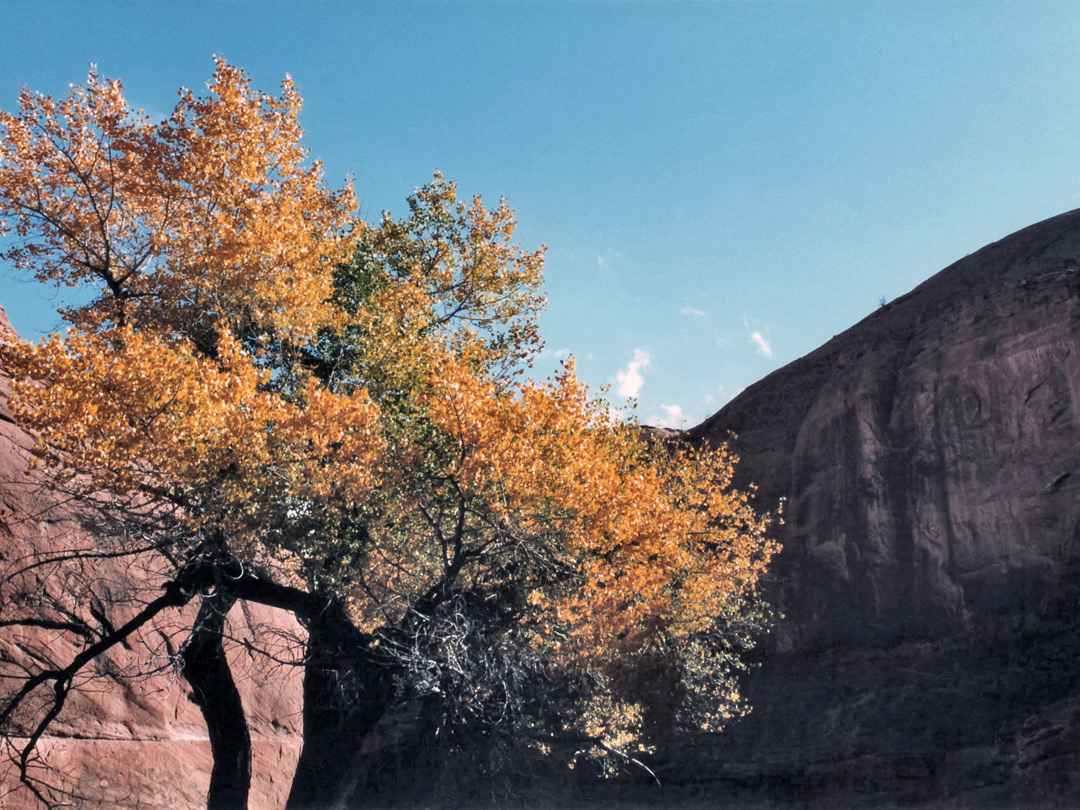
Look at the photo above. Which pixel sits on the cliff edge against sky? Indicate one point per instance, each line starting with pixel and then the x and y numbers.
pixel 929 458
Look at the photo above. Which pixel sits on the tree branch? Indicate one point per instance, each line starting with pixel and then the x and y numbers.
pixel 176 594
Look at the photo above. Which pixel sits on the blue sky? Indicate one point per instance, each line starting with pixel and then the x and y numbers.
pixel 722 186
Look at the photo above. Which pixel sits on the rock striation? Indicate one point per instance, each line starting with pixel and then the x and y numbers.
pixel 929 463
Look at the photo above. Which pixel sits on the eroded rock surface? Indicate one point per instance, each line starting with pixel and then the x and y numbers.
pixel 929 458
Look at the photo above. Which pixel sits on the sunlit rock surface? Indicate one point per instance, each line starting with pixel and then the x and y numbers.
pixel 929 458
pixel 124 741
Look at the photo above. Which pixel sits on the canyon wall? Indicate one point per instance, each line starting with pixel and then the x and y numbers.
pixel 929 463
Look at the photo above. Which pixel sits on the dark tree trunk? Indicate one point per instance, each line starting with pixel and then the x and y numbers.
pixel 214 692
pixel 346 692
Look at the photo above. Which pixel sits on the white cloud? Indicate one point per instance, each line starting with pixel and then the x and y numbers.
pixel 697 313
pixel 607 259
pixel 762 344
pixel 673 416
pixel 630 381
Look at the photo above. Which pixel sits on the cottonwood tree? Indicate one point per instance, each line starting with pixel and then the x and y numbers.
pixel 277 402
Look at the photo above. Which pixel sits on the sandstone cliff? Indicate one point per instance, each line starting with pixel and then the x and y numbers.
pixel 930 461
pixel 127 739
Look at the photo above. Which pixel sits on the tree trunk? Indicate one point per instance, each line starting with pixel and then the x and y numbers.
pixel 214 692
pixel 346 692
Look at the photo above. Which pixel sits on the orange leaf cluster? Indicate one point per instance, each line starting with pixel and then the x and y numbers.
pixel 129 413
pixel 659 543
pixel 297 385
pixel 210 215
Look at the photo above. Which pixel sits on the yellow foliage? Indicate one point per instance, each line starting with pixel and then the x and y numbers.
pixel 659 543
pixel 129 413
pixel 288 383
pixel 208 216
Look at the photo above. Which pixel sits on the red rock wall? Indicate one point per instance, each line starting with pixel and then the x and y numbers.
pixel 125 740
pixel 930 455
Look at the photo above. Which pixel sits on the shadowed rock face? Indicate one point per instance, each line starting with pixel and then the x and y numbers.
pixel 930 455
pixel 930 461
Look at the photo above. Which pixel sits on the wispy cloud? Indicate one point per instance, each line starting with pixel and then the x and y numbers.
pixel 697 313
pixel 631 380
pixel 762 344
pixel 607 259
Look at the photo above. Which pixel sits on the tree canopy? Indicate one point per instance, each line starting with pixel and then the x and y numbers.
pixel 339 410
